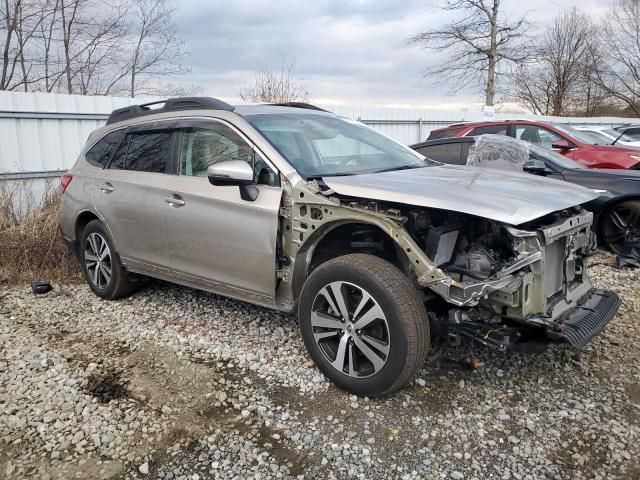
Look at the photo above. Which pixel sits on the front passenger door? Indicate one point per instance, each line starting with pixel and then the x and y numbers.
pixel 216 239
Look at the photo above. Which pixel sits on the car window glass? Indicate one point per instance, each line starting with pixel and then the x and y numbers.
pixel 537 135
pixel 99 154
pixel 148 152
pixel 333 150
pixel 202 147
pixel 494 129
pixel 119 157
pixel 445 153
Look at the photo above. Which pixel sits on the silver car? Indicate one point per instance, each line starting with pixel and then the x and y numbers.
pixel 376 248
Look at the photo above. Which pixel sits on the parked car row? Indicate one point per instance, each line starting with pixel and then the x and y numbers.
pixel 377 249
pixel 568 141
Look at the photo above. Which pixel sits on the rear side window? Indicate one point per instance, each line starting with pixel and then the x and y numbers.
pixel 99 154
pixel 494 129
pixel 444 153
pixel 444 133
pixel 144 152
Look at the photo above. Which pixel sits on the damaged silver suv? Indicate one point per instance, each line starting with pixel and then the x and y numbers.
pixel 376 248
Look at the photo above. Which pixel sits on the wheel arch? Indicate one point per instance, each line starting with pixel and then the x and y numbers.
pixel 343 237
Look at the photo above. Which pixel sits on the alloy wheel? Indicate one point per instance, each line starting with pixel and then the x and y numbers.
pixel 621 228
pixel 97 260
pixel 350 329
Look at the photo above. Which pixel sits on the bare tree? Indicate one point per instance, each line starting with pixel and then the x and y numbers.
pixel 618 71
pixel 476 44
pixel 276 86
pixel 90 47
pixel 550 81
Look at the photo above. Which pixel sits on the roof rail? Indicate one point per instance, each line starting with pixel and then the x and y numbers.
pixel 170 105
pixel 308 106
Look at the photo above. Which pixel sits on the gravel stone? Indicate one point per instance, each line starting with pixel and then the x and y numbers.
pixel 199 386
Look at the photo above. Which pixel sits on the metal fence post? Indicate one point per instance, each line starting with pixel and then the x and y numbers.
pixel 420 129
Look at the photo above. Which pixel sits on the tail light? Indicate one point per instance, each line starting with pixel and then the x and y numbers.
pixel 65 181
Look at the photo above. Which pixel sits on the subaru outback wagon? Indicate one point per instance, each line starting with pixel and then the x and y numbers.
pixel 376 248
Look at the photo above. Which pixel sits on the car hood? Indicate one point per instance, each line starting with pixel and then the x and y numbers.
pixel 507 197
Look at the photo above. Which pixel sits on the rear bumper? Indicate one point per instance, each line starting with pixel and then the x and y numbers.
pixel 583 322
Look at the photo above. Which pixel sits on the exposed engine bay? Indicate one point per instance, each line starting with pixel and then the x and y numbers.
pixel 496 280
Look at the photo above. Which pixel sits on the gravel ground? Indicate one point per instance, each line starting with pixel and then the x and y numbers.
pixel 177 384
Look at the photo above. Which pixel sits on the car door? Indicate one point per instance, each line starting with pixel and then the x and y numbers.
pixel 129 195
pixel 216 239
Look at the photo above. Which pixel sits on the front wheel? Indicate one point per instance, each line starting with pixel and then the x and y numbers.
pixel 364 324
pixel 620 227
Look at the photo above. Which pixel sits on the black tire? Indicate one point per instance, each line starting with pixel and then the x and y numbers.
pixel 621 222
pixel 119 284
pixel 404 316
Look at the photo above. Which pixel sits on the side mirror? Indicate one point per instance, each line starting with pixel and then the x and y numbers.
pixel 537 167
pixel 234 172
pixel 562 145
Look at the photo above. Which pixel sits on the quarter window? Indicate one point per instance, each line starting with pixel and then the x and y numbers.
pixel 99 154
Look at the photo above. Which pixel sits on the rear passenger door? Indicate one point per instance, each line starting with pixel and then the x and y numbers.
pixel 216 239
pixel 129 196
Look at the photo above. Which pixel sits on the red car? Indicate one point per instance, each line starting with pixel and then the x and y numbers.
pixel 562 138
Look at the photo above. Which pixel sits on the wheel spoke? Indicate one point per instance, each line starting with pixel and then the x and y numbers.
pixel 323 335
pixel 365 299
pixel 377 344
pixel 375 360
pixel 617 220
pixel 325 321
pixel 327 296
pixel 94 274
pixel 336 289
pixel 352 370
pixel 90 257
pixel 338 363
pixel 374 313
pixel 104 250
pixel 92 244
pixel 106 273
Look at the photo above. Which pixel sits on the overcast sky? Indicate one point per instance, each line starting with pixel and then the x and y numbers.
pixel 346 51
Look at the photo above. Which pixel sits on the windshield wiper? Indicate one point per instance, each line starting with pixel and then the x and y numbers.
pixel 402 167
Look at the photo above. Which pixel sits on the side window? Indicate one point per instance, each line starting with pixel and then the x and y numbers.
pixel 536 135
pixel 99 154
pixel 143 152
pixel 202 147
pixel 445 153
pixel 149 152
pixel 495 129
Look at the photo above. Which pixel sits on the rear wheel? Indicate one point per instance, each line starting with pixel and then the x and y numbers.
pixel 620 227
pixel 101 264
pixel 364 324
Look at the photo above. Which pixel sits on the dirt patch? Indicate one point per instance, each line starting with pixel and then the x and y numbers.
pixel 106 387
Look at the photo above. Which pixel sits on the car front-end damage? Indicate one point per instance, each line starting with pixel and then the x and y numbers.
pixel 504 285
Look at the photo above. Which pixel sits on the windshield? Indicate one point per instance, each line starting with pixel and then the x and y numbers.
pixel 615 134
pixel 583 137
pixel 323 145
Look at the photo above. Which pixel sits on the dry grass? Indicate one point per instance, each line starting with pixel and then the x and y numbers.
pixel 31 246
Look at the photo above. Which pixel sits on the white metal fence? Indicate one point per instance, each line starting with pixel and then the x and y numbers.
pixel 42 133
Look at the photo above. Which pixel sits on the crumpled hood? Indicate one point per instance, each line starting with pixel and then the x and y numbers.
pixel 508 197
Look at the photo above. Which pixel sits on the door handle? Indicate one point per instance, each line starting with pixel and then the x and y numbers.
pixel 174 201
pixel 106 188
